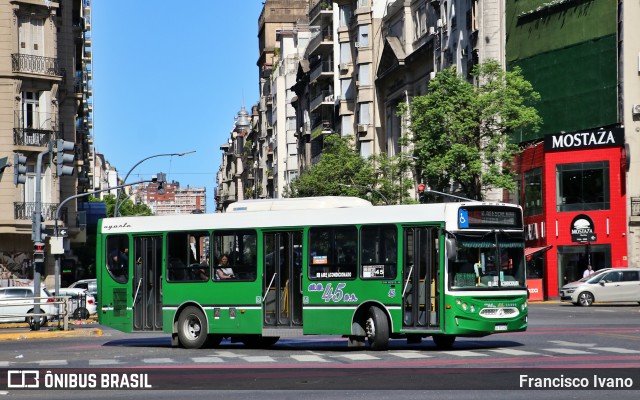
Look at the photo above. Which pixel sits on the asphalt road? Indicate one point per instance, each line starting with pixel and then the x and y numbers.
pixel 560 338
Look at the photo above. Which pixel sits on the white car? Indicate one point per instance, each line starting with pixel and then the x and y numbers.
pixel 17 301
pixel 81 303
pixel 606 285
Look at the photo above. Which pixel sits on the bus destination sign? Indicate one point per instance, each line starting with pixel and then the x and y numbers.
pixel 488 217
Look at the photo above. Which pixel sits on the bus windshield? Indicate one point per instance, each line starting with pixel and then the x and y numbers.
pixel 492 261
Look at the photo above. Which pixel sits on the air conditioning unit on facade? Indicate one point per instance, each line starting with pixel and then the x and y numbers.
pixel 344 67
pixel 362 128
pixel 636 109
pixel 357 44
pixel 432 30
pixel 439 23
pixel 432 75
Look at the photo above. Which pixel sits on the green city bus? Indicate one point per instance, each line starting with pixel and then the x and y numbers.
pixel 316 266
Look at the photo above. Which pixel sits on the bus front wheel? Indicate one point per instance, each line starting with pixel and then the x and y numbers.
pixel 377 329
pixel 192 328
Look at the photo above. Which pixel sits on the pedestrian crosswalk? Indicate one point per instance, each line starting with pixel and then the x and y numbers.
pixel 245 356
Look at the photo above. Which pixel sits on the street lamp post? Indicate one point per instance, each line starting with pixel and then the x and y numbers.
pixel 117 205
pixel 368 187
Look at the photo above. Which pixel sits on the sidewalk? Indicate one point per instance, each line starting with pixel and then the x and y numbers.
pixel 21 331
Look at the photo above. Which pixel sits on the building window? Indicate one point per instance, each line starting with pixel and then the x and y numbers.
pixel 363 113
pixel 345 15
pixel 363 35
pixel 364 74
pixel 582 186
pixel 533 192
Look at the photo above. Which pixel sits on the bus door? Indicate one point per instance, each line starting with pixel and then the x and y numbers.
pixel 147 283
pixel 420 288
pixel 282 279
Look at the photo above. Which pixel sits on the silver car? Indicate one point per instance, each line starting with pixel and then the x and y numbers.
pixel 606 285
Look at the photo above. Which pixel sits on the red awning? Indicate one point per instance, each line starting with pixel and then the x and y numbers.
pixel 529 252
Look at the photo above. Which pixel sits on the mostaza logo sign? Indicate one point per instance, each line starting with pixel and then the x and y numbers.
pixel 582 229
pixel 612 137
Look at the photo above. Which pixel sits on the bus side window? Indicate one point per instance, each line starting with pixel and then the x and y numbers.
pixel 185 250
pixel 333 252
pixel 241 248
pixel 117 261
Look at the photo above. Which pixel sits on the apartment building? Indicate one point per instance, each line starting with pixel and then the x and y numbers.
pixel 45 95
pixel 174 200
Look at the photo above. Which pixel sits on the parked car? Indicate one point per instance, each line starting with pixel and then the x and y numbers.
pixel 17 301
pixel 606 285
pixel 81 303
pixel 88 284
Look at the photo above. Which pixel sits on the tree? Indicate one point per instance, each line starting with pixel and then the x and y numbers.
pixel 341 171
pixel 126 207
pixel 462 132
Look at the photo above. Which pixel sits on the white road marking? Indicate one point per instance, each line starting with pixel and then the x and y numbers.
pixel 568 351
pixel 207 359
pixel 259 359
pixel 408 354
pixel 514 352
pixel 571 344
pixel 52 362
pixel 617 350
pixel 157 360
pixel 465 353
pixel 104 362
pixel 359 357
pixel 308 358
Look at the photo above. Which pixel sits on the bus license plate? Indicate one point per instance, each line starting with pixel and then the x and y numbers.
pixel 502 327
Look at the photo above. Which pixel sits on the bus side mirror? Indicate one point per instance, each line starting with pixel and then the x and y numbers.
pixel 451 248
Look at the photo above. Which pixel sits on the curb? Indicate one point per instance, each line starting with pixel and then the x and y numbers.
pixel 44 334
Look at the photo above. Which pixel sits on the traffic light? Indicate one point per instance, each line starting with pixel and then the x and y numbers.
pixel 421 188
pixel 37 228
pixel 161 180
pixel 38 257
pixel 19 169
pixel 62 158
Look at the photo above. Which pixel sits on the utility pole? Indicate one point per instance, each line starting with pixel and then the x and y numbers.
pixel 38 237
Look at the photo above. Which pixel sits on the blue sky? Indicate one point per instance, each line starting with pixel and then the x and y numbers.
pixel 171 80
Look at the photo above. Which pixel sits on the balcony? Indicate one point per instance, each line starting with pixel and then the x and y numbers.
pixel 323 69
pixel 321 9
pixel 24 211
pixel 325 97
pixel 27 63
pixel 324 37
pixel 36 130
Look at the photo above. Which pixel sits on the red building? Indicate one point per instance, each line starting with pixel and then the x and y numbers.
pixel 572 188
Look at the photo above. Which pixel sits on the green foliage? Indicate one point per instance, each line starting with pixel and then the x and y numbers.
pixel 462 132
pixel 126 207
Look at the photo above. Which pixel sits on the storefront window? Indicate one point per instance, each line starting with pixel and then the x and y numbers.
pixel 533 192
pixel 582 186
pixel 573 260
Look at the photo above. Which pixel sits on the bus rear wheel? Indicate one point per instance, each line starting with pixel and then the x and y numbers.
pixel 377 329
pixel 192 328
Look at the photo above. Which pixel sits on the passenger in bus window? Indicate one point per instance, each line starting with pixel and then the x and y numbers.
pixel 223 270
pixel 204 270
